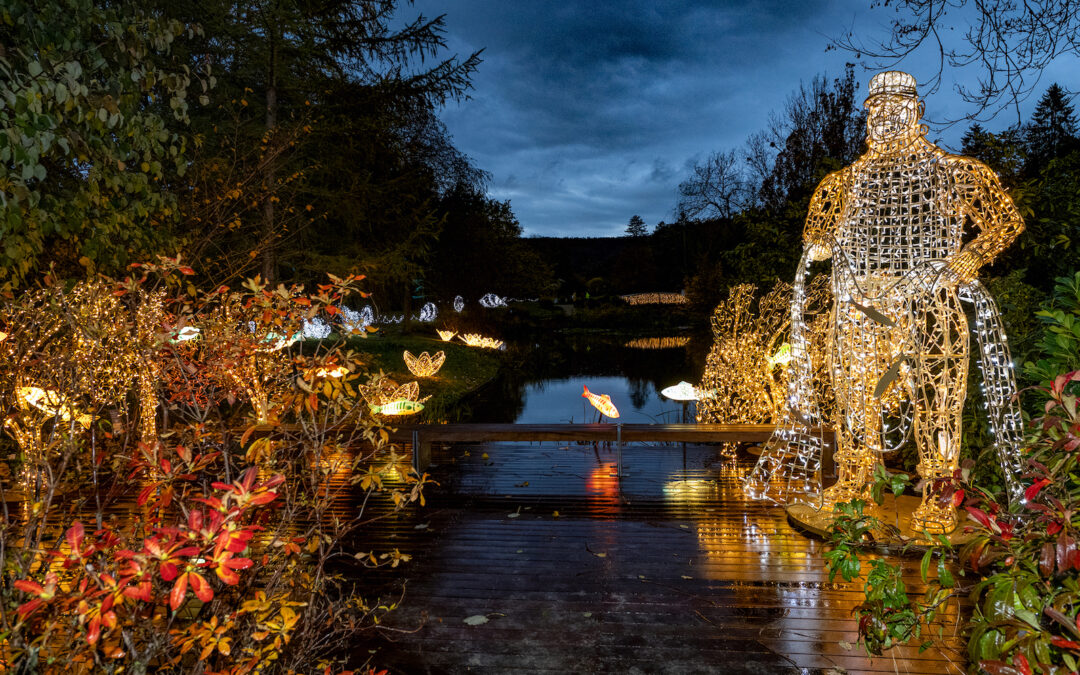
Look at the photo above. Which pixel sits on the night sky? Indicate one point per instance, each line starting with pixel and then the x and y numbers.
pixel 587 112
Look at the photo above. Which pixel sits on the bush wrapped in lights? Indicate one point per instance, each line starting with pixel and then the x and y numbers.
pixel 221 566
pixel 744 371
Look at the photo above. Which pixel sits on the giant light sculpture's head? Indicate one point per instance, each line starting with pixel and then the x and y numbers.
pixel 893 110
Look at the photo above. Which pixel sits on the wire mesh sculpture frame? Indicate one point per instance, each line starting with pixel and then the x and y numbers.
pixel 893 224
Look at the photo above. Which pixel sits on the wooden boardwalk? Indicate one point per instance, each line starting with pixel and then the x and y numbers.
pixel 666 570
pixel 423 436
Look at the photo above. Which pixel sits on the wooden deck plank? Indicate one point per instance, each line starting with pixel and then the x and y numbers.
pixel 669 569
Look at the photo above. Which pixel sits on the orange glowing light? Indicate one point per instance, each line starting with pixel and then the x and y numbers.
pixel 602 402
pixel 475 340
pixel 424 365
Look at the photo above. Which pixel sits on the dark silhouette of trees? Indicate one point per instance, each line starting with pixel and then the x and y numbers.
pixel 1010 43
pixel 716 188
pixel 636 227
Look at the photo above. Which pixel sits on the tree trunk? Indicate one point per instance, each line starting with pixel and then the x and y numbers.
pixel 269 235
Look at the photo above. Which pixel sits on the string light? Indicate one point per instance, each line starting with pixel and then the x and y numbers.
pixel 476 340
pixel 655 299
pixel 429 312
pixel 601 402
pixel 740 373
pixel 658 343
pixel 491 301
pixel 892 223
pixel 459 304
pixel 424 365
pixel 446 335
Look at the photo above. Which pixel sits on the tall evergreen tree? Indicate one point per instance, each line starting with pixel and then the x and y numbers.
pixel 1052 130
pixel 636 226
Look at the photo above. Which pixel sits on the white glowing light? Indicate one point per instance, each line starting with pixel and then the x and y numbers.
pixel 429 312
pixel 315 328
pixel 491 301
pixel 683 391
pixel 459 303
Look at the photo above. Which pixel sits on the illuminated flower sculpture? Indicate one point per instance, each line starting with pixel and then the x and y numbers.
pixel 893 225
pixel 446 335
pixel 477 340
pixel 424 365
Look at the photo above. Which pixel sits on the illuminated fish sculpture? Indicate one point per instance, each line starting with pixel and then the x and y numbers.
pixel 186 334
pixel 601 402
pixel 683 391
pixel 399 407
pixel 53 403
pixel 782 357
pixel 424 365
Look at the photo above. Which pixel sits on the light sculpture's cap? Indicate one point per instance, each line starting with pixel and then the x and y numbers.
pixel 894 82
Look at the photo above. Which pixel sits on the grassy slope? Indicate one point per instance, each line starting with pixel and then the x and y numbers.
pixel 466 368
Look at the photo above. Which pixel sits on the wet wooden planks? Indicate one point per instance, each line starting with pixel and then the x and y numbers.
pixel 669 569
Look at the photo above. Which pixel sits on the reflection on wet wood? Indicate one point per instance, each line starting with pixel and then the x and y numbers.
pixel 566 568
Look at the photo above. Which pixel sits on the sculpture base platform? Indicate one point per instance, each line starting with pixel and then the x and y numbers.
pixel 895 511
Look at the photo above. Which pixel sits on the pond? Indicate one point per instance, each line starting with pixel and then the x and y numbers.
pixel 545 382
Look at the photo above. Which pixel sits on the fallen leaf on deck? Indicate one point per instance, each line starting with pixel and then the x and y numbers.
pixel 556 514
pixel 512 515
pixel 476 620
pixel 422 526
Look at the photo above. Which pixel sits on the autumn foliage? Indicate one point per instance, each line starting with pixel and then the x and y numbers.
pixel 196 522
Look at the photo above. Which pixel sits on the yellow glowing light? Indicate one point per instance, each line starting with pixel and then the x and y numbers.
pixel 401 407
pixel 424 365
pixel 187 333
pixel 53 403
pixel 782 357
pixel 446 335
pixel 601 402
pixel 338 371
pixel 655 299
pixel 476 340
pixel 893 225
pixel 658 343
pixel 3 336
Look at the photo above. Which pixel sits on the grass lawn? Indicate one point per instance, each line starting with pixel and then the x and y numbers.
pixel 465 370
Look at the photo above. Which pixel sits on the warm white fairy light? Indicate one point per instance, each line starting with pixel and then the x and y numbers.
pixel 893 224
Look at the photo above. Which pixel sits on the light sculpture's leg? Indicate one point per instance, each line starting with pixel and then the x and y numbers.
pixel 863 350
pixel 942 343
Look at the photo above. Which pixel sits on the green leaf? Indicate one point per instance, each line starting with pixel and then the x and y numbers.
pixel 924 566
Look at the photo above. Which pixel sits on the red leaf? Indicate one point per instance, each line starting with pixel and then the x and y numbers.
pixel 1021 662
pixel 201 587
pixel 1063 643
pixel 140 592
pixel 176 595
pixel 980 516
pixel 1033 490
pixel 74 536
pixel 957 498
pixel 168 571
pixel 186 270
pixel 1053 527
pixel 93 631
pixel 29 586
pixel 28 608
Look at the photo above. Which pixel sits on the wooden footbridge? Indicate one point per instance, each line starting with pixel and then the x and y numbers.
pixel 422 436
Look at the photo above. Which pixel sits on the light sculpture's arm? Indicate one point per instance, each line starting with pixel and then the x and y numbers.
pixel 826 208
pixel 990 209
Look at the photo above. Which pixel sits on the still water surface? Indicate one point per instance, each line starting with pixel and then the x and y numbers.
pixel 545 387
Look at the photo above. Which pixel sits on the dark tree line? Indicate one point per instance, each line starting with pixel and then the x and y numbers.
pixel 276 137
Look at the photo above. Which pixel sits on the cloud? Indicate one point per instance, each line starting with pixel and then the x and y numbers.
pixel 587 111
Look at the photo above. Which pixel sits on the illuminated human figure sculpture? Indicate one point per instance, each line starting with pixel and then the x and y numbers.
pixel 893 224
